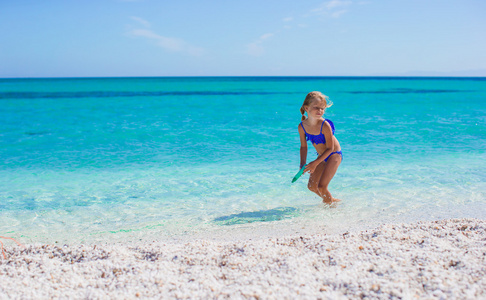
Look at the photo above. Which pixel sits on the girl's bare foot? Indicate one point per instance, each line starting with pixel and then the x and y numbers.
pixel 334 200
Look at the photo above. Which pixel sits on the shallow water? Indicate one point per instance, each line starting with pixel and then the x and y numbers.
pixel 112 158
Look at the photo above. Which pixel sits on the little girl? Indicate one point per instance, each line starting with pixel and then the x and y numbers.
pixel 320 132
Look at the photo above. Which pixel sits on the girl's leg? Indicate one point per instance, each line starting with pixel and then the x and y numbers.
pixel 327 174
pixel 315 177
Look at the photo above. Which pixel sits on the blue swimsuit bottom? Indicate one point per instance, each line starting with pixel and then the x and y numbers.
pixel 337 152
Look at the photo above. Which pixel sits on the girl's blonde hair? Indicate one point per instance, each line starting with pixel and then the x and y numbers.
pixel 310 98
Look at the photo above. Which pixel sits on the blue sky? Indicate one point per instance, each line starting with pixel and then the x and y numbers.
pixel 72 38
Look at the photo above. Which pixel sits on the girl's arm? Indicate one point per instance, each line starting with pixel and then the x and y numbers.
pixel 327 131
pixel 303 147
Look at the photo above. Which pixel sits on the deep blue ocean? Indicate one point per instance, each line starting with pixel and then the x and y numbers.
pixel 115 158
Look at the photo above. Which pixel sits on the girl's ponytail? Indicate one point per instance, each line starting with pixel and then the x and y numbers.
pixel 302 111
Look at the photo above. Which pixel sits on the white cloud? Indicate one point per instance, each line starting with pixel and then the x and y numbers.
pixel 167 43
pixel 287 20
pixel 338 13
pixel 141 21
pixel 337 3
pixel 256 48
pixel 266 36
pixel 334 8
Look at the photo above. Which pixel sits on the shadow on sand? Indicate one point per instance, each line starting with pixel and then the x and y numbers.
pixel 275 214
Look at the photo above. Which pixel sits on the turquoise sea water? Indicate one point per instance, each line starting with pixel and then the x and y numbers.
pixel 105 158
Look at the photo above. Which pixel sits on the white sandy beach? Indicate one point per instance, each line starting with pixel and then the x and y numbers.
pixel 428 260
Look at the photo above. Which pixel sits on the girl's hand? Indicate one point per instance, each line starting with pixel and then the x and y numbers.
pixel 311 167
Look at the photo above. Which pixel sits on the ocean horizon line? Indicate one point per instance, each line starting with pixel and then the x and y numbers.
pixel 251 76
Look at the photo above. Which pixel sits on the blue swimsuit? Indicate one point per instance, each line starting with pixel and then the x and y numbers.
pixel 320 138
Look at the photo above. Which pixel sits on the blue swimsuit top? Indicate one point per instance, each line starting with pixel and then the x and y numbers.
pixel 319 138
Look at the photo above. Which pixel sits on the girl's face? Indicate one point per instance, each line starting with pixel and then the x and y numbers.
pixel 316 108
